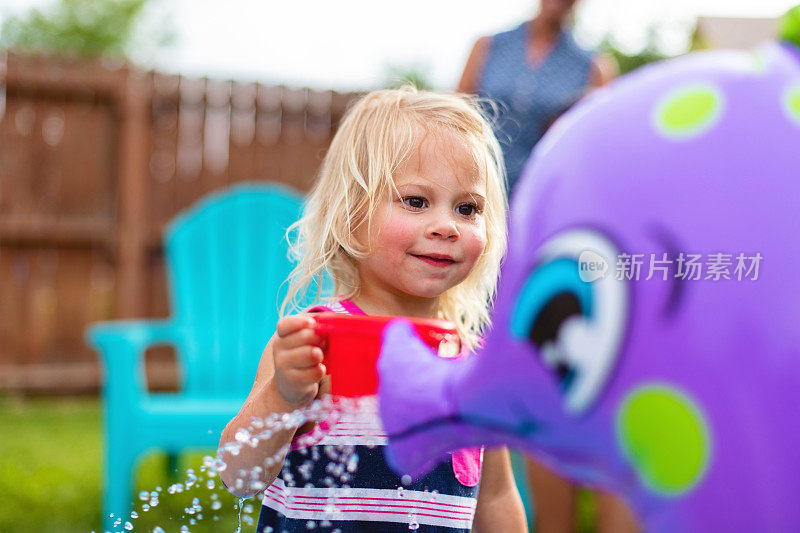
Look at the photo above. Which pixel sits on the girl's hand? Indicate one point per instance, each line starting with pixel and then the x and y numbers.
pixel 297 356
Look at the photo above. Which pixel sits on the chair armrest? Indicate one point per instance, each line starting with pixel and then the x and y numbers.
pixel 122 344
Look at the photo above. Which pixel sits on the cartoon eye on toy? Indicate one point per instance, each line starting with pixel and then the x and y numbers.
pixel 575 311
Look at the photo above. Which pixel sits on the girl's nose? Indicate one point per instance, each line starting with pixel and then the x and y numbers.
pixel 443 228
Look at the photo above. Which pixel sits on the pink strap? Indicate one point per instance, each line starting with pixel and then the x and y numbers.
pixel 467 465
pixel 350 307
pixel 339 306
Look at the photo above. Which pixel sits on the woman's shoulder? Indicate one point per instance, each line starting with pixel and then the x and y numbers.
pixel 512 34
pixel 521 28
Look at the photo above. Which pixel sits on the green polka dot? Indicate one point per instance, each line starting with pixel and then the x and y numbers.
pixel 689 111
pixel 665 436
pixel 789 26
pixel 792 103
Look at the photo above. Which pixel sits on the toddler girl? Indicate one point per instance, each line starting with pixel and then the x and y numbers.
pixel 408 218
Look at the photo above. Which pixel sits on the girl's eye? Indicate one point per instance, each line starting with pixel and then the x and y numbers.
pixel 415 202
pixel 467 210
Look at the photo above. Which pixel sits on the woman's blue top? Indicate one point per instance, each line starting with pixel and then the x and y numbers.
pixel 530 96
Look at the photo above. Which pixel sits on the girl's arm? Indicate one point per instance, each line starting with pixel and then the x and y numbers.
pixel 288 378
pixel 499 506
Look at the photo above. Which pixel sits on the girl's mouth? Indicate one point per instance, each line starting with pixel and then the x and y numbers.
pixel 435 261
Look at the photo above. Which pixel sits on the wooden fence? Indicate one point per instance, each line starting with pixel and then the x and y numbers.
pixel 94 159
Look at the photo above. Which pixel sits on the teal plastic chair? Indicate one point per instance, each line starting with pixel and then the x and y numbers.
pixel 226 263
pixel 521 478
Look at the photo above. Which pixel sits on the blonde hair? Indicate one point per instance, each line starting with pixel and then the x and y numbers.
pixel 377 134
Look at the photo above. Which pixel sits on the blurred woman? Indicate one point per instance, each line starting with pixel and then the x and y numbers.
pixel 534 72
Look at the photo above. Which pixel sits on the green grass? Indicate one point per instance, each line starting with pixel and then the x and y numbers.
pixel 50 465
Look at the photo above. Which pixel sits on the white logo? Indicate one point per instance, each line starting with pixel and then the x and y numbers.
pixel 591 266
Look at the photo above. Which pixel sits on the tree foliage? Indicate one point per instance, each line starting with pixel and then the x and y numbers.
pixel 629 62
pixel 649 53
pixel 416 74
pixel 87 28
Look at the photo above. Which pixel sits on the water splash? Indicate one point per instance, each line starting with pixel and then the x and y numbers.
pixel 341 463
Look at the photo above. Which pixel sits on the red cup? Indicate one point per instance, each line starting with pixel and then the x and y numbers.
pixel 353 343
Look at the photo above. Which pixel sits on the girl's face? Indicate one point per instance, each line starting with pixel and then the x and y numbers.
pixel 427 239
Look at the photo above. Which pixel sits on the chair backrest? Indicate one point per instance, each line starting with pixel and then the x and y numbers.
pixel 227 264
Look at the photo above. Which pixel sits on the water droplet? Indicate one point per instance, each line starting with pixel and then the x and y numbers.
pixel 145 507
pixel 311 524
pixel 210 484
pixel 406 480
pixel 306 469
pixel 352 463
pixel 216 505
pixel 158 529
pixel 128 526
pixel 134 514
pixel 144 495
pixel 184 529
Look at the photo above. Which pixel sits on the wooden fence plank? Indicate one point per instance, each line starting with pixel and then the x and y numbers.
pixel 95 160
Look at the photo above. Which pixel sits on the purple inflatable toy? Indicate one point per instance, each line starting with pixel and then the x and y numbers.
pixel 647 331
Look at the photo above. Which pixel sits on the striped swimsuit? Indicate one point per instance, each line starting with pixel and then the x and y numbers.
pixel 336 479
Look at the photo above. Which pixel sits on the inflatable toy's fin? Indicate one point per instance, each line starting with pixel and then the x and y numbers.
pixel 417 406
